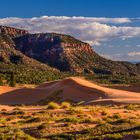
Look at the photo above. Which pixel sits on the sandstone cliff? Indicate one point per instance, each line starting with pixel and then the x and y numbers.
pixel 12 32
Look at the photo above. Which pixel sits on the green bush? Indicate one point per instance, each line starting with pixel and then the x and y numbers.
pixel 77 120
pixel 74 120
pixel 17 112
pixel 2 120
pixel 53 105
pixel 114 137
pixel 65 105
pixel 116 116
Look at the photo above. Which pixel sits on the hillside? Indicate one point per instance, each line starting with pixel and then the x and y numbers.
pixel 69 54
pixel 25 69
pixel 57 50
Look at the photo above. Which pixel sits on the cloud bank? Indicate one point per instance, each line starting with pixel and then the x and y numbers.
pixel 134 54
pixel 89 29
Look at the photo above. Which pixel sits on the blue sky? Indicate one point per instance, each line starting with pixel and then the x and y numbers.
pixel 112 27
pixel 96 8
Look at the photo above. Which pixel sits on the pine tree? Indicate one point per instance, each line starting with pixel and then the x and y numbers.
pixel 12 80
pixel 1 82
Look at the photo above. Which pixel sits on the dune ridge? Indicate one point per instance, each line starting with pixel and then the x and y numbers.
pixel 74 88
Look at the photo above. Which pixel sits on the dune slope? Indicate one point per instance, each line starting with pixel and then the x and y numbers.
pixel 75 89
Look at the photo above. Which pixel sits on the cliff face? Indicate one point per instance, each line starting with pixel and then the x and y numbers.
pixel 6 48
pixel 8 52
pixel 77 55
pixel 12 32
pixel 25 69
pixel 59 51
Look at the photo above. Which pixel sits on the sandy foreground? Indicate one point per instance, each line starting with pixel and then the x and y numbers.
pixel 74 88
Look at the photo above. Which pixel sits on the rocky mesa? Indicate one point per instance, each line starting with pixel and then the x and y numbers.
pixel 57 50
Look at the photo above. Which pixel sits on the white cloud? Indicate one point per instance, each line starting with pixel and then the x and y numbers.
pixel 93 43
pixel 90 29
pixel 134 54
pixel 106 56
pixel 131 56
pixel 88 19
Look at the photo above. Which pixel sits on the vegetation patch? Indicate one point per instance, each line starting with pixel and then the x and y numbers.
pixel 67 121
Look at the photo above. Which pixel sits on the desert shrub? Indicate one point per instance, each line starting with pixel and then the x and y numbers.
pixel 2 120
pixel 71 119
pixel 104 113
pixel 65 105
pixel 131 107
pixel 53 105
pixel 116 116
pixel 75 110
pixel 4 110
pixel 77 120
pixel 137 134
pixel 17 112
pixel 114 137
pixel 62 137
pixel 87 120
pixel 123 121
pixel 31 120
pixel 42 126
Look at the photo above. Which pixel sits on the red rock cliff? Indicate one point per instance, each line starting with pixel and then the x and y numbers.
pixel 13 32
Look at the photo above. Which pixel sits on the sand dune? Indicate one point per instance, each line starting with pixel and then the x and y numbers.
pixel 74 88
pixel 4 89
pixel 133 88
